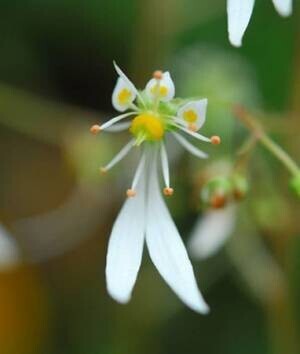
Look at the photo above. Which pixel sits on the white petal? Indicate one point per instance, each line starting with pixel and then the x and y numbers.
pixel 128 83
pixel 211 232
pixel 283 7
pixel 166 88
pixel 9 253
pixel 125 90
pixel 125 78
pixel 125 247
pixel 167 250
pixel 198 108
pixel 239 14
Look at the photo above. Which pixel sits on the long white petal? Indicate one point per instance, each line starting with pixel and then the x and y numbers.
pixel 167 250
pixel 239 14
pixel 125 247
pixel 283 7
pixel 211 232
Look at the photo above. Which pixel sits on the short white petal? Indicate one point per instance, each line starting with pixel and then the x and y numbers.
pixel 167 82
pixel 121 85
pixel 125 247
pixel 211 232
pixel 199 106
pixel 167 250
pixel 283 7
pixel 125 78
pixel 9 252
pixel 239 14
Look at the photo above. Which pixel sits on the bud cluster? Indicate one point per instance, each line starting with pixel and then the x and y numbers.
pixel 221 190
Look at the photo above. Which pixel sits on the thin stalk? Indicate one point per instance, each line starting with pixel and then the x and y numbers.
pixel 276 150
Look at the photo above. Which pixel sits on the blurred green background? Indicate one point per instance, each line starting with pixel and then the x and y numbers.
pixel 56 79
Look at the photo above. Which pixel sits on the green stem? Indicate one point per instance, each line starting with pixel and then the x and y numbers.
pixel 281 154
pixel 253 125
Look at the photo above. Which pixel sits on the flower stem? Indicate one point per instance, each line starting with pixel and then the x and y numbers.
pixel 252 124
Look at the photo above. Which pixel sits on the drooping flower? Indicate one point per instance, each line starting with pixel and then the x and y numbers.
pixel 239 13
pixel 144 216
pixel 212 231
pixel 221 196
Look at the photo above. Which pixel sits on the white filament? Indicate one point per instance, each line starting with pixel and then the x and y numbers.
pixel 193 134
pixel 189 147
pixel 138 172
pixel 165 165
pixel 116 119
pixel 118 127
pixel 123 152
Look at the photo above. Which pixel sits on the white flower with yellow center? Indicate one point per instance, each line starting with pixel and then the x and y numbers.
pixel 144 216
pixel 239 14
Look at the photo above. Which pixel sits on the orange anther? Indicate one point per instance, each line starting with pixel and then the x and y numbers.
pixel 103 170
pixel 168 191
pixel 215 140
pixel 158 74
pixel 130 193
pixel 95 129
pixel 192 127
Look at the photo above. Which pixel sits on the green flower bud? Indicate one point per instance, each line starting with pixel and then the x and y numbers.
pixel 295 185
pixel 240 186
pixel 216 192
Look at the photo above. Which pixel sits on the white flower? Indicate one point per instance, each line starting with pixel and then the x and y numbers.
pixel 239 13
pixel 144 216
pixel 211 232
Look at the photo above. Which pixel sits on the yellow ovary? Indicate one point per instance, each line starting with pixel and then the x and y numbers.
pixel 124 96
pixel 190 116
pixel 159 90
pixel 148 126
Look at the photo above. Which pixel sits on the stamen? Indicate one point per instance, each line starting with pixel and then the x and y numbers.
pixel 193 134
pixel 158 74
pixel 123 152
pixel 215 140
pixel 118 127
pixel 130 193
pixel 138 172
pixel 168 191
pixel 165 165
pixel 116 119
pixel 102 170
pixel 190 147
pixel 192 127
pixel 95 129
pixel 178 121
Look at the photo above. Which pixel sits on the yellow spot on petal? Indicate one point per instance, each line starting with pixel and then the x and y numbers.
pixel 159 90
pixel 124 96
pixel 148 126
pixel 190 116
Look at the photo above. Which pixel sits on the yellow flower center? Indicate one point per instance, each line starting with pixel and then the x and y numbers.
pixel 147 126
pixel 190 116
pixel 124 96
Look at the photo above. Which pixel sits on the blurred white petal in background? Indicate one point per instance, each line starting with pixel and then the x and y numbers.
pixel 211 231
pixel 9 252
